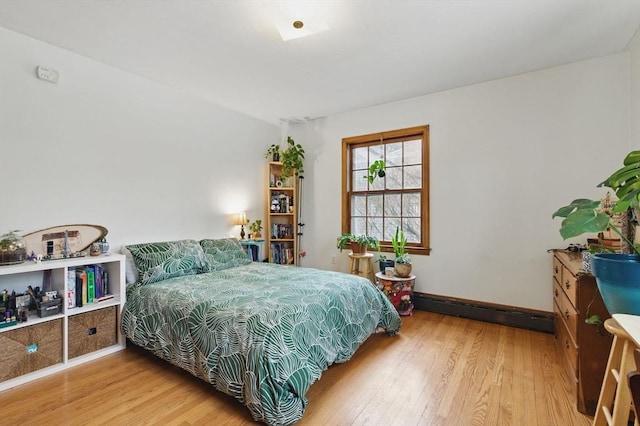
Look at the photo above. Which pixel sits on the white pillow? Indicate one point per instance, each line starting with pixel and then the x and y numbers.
pixel 129 266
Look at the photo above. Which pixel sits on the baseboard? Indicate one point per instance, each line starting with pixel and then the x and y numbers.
pixel 498 314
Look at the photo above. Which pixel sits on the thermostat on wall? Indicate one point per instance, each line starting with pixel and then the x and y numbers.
pixel 48 74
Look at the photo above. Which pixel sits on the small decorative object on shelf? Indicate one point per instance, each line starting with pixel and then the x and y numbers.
pixel 13 248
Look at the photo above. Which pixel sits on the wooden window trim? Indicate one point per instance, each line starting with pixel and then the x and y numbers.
pixel 389 136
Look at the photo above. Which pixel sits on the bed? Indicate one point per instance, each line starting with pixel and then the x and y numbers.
pixel 262 333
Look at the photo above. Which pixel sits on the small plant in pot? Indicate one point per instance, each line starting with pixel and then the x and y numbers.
pixel 403 261
pixel 256 227
pixel 617 275
pixel 385 263
pixel 359 243
pixel 274 152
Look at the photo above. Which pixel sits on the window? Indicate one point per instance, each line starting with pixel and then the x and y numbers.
pixel 400 198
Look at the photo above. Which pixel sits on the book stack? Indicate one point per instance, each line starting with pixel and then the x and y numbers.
pixel 87 284
pixel 282 254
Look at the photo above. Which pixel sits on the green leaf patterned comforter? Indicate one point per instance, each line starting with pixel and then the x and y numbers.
pixel 261 333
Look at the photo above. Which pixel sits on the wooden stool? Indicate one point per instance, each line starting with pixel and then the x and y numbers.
pixel 362 264
pixel 619 365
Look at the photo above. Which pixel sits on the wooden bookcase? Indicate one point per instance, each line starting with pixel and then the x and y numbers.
pixel 47 345
pixel 282 217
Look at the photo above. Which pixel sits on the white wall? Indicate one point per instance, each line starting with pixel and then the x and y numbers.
pixel 505 155
pixel 107 147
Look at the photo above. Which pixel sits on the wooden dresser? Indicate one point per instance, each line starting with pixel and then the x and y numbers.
pixel 584 347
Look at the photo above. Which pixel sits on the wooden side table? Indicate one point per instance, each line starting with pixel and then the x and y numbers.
pixel 361 264
pixel 398 290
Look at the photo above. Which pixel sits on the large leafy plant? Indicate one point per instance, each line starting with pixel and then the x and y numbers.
pixel 292 158
pixel 584 216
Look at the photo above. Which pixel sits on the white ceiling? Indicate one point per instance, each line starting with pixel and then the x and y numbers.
pixel 230 53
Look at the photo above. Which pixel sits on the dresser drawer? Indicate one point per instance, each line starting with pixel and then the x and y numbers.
pixel 566 310
pixel 557 269
pixel 566 344
pixel 570 285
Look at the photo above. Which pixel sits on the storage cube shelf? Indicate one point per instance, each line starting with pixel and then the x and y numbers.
pixel 46 345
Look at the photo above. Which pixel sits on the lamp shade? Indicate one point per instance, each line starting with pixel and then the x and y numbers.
pixel 240 219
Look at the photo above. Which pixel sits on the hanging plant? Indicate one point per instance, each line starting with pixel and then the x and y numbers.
pixel 376 169
pixel 292 158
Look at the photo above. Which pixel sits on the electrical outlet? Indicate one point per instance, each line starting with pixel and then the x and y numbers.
pixel 333 259
pixel 48 74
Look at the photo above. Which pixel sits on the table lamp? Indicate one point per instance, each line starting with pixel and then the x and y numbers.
pixel 241 219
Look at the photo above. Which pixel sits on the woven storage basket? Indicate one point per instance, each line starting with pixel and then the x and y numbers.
pixel 91 331
pixel 30 348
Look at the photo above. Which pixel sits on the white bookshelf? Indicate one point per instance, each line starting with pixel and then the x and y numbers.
pixel 19 277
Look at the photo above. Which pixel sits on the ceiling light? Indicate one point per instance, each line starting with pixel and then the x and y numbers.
pixel 296 19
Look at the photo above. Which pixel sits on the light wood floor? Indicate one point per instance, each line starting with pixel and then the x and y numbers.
pixel 440 370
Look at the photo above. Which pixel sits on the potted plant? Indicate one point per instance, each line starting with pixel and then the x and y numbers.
pixel 617 275
pixel 376 169
pixel 403 261
pixel 384 263
pixel 13 248
pixel 274 152
pixel 255 227
pixel 292 159
pixel 358 243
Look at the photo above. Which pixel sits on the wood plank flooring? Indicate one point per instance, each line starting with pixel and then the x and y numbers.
pixel 440 370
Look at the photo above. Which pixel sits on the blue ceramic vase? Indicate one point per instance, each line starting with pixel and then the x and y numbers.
pixel 618 279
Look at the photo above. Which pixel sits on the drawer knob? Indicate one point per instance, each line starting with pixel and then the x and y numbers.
pixel 566 343
pixel 555 292
pixel 566 314
pixel 567 284
pixel 555 270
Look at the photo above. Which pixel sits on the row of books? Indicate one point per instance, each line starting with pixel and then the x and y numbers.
pixel 282 254
pixel 281 230
pixel 87 284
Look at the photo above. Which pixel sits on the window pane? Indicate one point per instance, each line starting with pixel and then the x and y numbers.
pixel 394 154
pixel 359 180
pixel 411 204
pixel 394 178
pixel 358 205
pixel 360 158
pixel 390 225
pixel 358 225
pixel 378 184
pixel 375 227
pixel 374 203
pixel 411 229
pixel 392 205
pixel 376 152
pixel 413 152
pixel 412 177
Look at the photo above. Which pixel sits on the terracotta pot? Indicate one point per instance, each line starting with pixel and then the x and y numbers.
pixel 358 248
pixel 403 270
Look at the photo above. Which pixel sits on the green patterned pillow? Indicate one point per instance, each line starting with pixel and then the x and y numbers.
pixel 160 261
pixel 224 253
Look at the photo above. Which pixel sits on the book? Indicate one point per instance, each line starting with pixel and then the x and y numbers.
pixel 81 284
pixel 98 281
pixel 104 298
pixel 70 289
pixel 91 284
